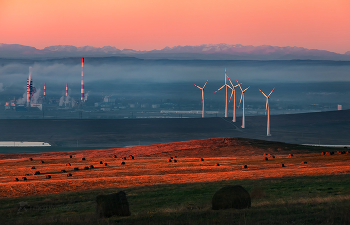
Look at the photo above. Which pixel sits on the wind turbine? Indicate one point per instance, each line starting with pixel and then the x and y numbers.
pixel 242 97
pixel 202 97
pixel 225 85
pixel 234 99
pixel 268 111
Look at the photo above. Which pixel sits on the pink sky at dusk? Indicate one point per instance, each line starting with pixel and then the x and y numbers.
pixel 155 24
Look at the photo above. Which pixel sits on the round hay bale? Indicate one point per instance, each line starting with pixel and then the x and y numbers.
pixel 63 171
pixel 122 163
pixel 201 159
pixel 175 161
pixel 265 159
pixel 48 176
pixel 76 168
pixel 16 179
pixel 264 154
pixel 244 167
pixel 86 168
pixel 232 196
pixel 303 162
pixel 26 174
pixel 272 156
pixel 41 161
pixel 290 155
pixel 101 162
pixel 323 153
pixel 69 175
pixel 33 168
pixel 114 156
pixel 328 153
pixel 30 159
pixel 281 165
pixel 68 164
pixel 170 157
pixel 175 156
pixel 82 159
pixel 339 152
pixel 112 205
pixel 217 164
pixel 91 166
pixel 131 157
pixel 106 164
pixel 123 158
pixel 169 160
pixel 24 178
pixel 70 156
pixel 37 173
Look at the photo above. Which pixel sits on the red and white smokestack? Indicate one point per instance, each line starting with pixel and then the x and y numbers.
pixel 82 82
pixel 66 90
pixel 29 87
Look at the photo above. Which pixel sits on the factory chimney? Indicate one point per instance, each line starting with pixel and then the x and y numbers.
pixel 29 87
pixel 82 82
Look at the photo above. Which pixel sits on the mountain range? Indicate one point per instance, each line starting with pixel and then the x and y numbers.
pixel 204 52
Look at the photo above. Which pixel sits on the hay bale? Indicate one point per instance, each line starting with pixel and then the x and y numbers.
pixel 170 157
pixel 201 159
pixel 323 153
pixel 244 167
pixel 303 162
pixel 86 168
pixel 264 154
pixel 16 179
pixel 30 159
pixel 122 163
pixel 272 156
pixel 101 162
pixel 231 196
pixel 290 155
pixel 105 164
pixel 282 165
pixel 63 171
pixel 114 156
pixel 24 178
pixel 91 166
pixel 175 156
pixel 76 168
pixel 175 161
pixel 123 158
pixel 69 175
pixel 265 159
pixel 131 157
pixel 41 161
pixel 112 205
pixel 82 159
pixel 68 164
pixel 33 168
pixel 217 164
pixel 48 176
pixel 70 156
pixel 37 173
pixel 328 153
pixel 169 160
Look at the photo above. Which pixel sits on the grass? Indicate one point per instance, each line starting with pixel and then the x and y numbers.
pixel 291 200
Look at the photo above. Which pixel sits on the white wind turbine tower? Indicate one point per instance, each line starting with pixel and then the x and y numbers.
pixel 268 111
pixel 242 97
pixel 234 99
pixel 202 97
pixel 225 85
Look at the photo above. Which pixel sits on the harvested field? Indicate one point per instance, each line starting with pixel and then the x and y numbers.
pixel 152 167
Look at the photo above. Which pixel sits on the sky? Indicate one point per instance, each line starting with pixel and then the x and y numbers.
pixel 155 24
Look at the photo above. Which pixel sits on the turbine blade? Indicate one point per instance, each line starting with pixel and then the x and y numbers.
pixel 198 87
pixel 240 100
pixel 246 89
pixel 231 95
pixel 271 92
pixel 229 86
pixel 205 84
pixel 230 81
pixel 219 88
pixel 239 85
pixel 263 93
